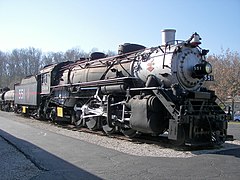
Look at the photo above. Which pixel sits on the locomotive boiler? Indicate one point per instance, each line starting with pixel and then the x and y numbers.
pixel 139 91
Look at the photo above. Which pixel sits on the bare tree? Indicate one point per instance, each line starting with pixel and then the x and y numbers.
pixel 20 63
pixel 3 75
pixel 75 54
pixel 34 58
pixel 52 58
pixel 226 72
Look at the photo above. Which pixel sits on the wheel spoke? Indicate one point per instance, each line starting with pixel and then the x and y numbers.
pixel 77 120
pixel 106 128
pixel 92 123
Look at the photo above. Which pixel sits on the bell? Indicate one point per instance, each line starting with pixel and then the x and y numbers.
pixel 195 39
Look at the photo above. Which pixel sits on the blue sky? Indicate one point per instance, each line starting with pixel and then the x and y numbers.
pixel 59 25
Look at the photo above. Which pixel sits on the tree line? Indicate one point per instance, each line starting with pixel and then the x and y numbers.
pixel 23 62
pixel 20 63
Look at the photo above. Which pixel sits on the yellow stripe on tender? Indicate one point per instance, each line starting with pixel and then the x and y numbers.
pixel 59 111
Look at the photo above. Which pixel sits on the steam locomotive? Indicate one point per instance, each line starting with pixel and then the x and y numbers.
pixel 139 91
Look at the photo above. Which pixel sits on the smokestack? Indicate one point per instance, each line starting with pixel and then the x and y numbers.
pixel 168 36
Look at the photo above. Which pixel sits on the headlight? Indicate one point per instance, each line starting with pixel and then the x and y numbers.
pixel 208 68
pixel 200 70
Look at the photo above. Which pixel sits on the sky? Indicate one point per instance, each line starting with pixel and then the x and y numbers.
pixel 60 25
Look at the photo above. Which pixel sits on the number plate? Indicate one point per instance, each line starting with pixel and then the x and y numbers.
pixel 209 78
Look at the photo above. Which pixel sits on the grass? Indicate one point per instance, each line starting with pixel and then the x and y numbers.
pixel 233 122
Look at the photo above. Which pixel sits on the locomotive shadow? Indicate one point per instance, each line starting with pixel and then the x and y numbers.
pixel 51 166
pixel 227 149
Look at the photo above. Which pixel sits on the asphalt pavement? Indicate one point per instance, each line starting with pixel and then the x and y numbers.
pixel 14 164
pixel 32 153
pixel 234 129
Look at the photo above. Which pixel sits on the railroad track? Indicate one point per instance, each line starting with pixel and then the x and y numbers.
pixel 141 139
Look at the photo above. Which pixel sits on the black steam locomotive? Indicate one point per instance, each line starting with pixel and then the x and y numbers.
pixel 139 91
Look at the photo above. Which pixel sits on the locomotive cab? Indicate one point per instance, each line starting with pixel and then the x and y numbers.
pixel 51 76
pixel 52 95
